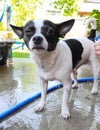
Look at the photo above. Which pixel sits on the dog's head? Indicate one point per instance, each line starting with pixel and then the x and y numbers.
pixel 42 34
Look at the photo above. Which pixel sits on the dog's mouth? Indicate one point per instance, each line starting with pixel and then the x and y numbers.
pixel 38 48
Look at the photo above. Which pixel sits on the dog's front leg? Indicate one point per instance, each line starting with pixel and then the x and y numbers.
pixel 66 94
pixel 42 102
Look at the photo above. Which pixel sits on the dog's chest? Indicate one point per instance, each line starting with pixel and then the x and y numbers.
pixel 45 64
pixel 45 69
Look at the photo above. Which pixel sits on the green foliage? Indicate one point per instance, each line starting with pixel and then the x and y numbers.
pixel 67 7
pixel 20 54
pixel 23 10
pixel 96 14
pixel 2 28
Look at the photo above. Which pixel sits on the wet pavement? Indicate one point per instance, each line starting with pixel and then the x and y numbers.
pixel 19 81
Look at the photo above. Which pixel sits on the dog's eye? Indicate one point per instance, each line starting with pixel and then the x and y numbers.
pixel 30 31
pixel 47 31
pixel 27 31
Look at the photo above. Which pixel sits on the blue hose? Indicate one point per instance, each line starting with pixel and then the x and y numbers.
pixel 3 12
pixel 18 106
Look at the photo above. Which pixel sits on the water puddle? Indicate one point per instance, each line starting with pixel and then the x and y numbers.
pixel 19 81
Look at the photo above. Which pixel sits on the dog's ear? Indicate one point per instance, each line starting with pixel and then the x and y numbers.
pixel 17 30
pixel 65 27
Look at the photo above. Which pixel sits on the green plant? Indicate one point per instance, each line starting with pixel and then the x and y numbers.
pixel 2 28
pixel 96 14
pixel 67 7
pixel 23 10
pixel 20 54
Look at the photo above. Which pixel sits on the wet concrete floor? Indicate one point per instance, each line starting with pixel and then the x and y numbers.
pixel 19 81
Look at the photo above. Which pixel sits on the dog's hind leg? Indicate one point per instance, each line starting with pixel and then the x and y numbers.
pixel 74 77
pixel 96 71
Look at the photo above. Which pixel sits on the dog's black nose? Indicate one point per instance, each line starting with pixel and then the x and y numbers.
pixel 37 40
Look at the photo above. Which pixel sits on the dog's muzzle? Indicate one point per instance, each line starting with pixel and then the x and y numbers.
pixel 37 40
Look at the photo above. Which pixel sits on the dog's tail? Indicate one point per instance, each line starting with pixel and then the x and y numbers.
pixel 92 22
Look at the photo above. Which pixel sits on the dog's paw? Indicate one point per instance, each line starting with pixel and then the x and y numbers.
pixel 40 107
pixel 94 92
pixel 65 115
pixel 74 86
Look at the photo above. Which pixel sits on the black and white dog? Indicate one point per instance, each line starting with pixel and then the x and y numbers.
pixel 56 59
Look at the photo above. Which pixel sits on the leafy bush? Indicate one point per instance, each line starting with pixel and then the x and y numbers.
pixel 96 14
pixel 23 10
pixel 2 28
pixel 67 7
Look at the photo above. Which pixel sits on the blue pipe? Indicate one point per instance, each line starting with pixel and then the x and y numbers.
pixel 18 106
pixel 3 12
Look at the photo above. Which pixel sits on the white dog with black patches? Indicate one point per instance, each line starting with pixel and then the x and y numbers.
pixel 56 59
